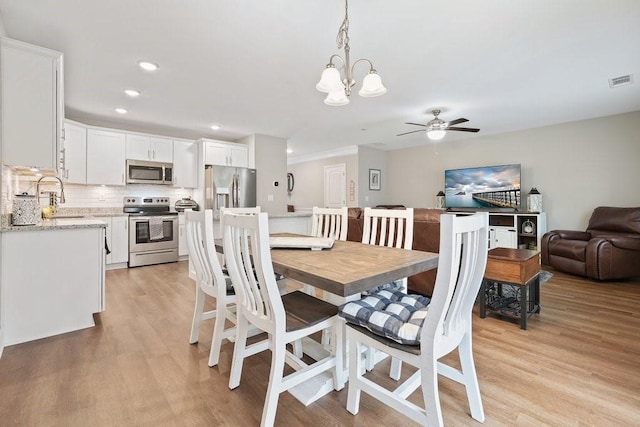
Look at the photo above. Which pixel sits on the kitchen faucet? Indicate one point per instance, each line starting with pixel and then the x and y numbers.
pixel 62 199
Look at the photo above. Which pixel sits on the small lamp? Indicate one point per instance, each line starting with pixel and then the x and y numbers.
pixel 534 200
pixel 440 200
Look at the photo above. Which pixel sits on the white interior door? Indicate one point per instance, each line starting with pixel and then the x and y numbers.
pixel 335 186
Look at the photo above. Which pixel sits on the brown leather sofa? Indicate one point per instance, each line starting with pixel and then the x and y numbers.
pixel 426 237
pixel 608 250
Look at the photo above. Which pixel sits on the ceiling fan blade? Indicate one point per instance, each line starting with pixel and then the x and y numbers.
pixel 457 121
pixel 413 131
pixel 464 129
pixel 417 124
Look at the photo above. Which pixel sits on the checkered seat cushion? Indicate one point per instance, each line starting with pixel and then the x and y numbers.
pixel 391 314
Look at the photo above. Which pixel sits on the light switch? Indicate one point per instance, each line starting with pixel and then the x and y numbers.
pixel 270 197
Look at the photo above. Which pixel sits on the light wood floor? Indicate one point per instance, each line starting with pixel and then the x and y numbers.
pixel 578 364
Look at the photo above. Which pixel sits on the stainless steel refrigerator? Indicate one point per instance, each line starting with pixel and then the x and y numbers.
pixel 229 187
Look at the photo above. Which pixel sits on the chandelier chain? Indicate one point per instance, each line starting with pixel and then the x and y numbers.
pixel 343 32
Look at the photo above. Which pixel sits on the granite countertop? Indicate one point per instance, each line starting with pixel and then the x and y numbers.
pixel 56 224
pixel 290 214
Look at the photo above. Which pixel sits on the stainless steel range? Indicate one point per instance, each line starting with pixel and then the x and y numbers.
pixel 153 230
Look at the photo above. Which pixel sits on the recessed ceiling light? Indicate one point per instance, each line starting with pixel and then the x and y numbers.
pixel 132 92
pixel 215 126
pixel 148 66
pixel 122 110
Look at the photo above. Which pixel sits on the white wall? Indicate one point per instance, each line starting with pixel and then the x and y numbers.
pixel 270 162
pixel 576 166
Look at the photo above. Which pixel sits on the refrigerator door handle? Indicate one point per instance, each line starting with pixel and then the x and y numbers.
pixel 236 190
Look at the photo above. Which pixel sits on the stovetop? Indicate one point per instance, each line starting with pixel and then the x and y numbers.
pixel 147 206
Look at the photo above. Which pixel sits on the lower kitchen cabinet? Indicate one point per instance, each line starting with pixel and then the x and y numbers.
pixel 52 282
pixel 117 240
pixel 183 248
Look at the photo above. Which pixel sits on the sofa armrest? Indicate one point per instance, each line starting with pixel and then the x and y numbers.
pixel 631 243
pixel 569 235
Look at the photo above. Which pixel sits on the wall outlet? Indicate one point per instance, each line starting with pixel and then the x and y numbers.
pixel 102 196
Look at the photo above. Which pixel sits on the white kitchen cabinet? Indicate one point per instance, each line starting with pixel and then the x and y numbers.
pixel 52 282
pixel 32 104
pixel 73 154
pixel 119 239
pixel 503 237
pixel 185 164
pixel 106 157
pixel 183 249
pixel 225 153
pixel 146 147
pixel 117 236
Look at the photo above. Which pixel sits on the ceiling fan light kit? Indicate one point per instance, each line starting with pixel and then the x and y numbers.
pixel 339 88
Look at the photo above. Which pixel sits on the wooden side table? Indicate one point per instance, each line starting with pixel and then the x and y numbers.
pixel 516 268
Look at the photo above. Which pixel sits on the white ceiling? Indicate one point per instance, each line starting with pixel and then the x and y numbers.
pixel 252 65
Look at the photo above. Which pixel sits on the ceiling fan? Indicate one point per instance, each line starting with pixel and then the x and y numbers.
pixel 436 128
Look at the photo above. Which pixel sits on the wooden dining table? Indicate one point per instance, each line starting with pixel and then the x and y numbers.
pixel 350 268
pixel 345 271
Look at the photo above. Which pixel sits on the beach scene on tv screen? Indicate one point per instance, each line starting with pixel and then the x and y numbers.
pixel 483 187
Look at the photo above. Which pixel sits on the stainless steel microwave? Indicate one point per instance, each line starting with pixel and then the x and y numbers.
pixel 146 172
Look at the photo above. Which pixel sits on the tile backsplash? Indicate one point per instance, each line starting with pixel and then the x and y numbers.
pixel 83 196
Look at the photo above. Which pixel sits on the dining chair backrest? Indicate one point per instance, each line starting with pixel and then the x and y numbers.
pixel 248 256
pixel 461 266
pixel 239 211
pixel 330 222
pixel 202 252
pixel 388 227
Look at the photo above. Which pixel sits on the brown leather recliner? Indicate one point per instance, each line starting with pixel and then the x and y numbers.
pixel 609 249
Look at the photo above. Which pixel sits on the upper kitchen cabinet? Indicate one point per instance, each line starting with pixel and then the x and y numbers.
pixel 32 104
pixel 106 157
pixel 225 153
pixel 145 147
pixel 185 161
pixel 73 154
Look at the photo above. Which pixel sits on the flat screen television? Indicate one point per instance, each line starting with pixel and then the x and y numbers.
pixel 483 188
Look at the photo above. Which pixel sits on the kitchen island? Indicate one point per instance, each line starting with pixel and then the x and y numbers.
pixel 52 278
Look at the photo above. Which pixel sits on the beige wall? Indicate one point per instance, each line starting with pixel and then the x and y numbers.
pixel 370 158
pixel 576 166
pixel 309 181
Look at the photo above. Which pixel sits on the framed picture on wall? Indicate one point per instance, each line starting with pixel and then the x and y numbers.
pixel 374 179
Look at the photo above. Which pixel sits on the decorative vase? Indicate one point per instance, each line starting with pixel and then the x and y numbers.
pixel 440 200
pixel 534 200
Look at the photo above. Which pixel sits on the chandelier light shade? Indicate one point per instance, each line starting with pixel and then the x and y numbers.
pixel 338 86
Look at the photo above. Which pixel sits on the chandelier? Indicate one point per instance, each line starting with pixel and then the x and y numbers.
pixel 338 87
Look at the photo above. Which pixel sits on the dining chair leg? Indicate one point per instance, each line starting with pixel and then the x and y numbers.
pixel 430 393
pixel 197 315
pixel 218 335
pixel 339 379
pixel 396 368
pixel 356 369
pixel 470 378
pixel 297 348
pixel 239 350
pixel 275 383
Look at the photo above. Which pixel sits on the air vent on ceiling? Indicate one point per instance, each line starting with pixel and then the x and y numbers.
pixel 621 80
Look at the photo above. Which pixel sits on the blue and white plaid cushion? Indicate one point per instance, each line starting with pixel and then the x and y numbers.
pixel 391 314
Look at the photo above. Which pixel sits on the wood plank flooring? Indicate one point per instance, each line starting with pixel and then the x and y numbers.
pixel 578 364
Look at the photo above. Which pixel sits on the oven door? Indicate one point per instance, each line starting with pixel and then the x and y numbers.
pixel 143 236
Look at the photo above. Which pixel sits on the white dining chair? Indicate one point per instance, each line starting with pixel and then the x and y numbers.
pixel 210 280
pixel 430 333
pixel 330 222
pixel 285 318
pixel 389 227
pixel 392 228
